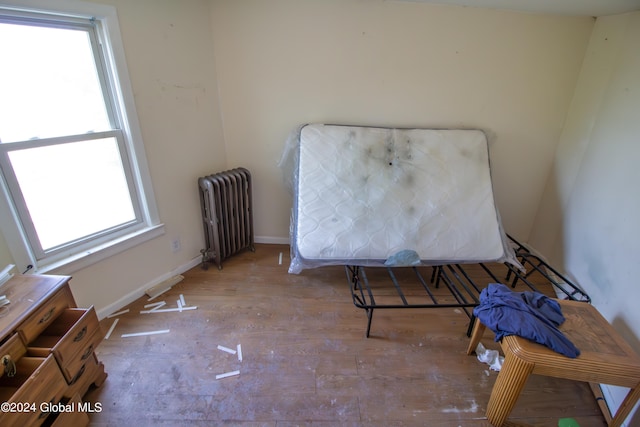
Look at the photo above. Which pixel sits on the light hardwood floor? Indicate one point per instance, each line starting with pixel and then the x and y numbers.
pixel 306 360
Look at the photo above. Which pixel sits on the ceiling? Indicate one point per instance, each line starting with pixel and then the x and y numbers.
pixel 556 7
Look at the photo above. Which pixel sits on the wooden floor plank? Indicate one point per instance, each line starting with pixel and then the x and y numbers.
pixel 306 360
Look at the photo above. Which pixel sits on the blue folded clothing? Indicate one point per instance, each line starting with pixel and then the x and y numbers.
pixel 530 315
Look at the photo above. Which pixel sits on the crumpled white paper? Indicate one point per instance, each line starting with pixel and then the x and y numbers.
pixel 490 357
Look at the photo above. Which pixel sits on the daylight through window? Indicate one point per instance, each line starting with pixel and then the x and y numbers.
pixel 66 158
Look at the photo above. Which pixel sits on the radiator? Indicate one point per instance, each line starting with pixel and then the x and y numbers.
pixel 227 214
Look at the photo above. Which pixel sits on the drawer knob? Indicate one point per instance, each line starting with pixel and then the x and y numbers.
pixel 80 335
pixel 9 366
pixel 78 375
pixel 47 316
pixel 44 414
pixel 87 353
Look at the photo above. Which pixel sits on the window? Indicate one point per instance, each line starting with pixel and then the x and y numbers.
pixel 72 165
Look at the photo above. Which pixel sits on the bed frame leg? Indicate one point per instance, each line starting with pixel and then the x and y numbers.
pixel 437 273
pixel 369 317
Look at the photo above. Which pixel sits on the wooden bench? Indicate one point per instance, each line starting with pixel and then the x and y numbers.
pixel 606 358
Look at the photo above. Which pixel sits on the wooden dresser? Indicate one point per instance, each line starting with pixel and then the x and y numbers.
pixel 47 358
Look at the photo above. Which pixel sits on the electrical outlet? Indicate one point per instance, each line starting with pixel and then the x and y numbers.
pixel 175 245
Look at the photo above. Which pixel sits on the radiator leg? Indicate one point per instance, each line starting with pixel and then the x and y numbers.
pixel 205 259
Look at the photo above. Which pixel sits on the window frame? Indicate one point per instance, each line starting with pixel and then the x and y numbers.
pixel 109 53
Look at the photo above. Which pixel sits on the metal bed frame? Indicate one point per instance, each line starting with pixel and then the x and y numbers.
pixel 463 285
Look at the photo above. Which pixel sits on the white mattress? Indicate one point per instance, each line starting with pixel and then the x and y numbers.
pixel 362 195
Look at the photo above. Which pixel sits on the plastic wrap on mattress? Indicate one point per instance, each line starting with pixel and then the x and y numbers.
pixel 370 196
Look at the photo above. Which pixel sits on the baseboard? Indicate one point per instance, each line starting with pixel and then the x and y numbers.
pixel 272 240
pixel 134 295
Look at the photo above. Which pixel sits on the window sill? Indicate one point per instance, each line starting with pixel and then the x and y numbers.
pixel 77 262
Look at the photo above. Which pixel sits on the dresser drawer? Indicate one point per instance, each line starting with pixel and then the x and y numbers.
pixel 52 345
pixel 47 313
pixel 37 381
pixel 10 352
pixel 72 338
pixel 74 414
pixel 88 374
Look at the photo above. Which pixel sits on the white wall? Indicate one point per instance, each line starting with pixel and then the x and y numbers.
pixel 5 255
pixel 171 66
pixel 286 62
pixel 588 218
pixel 280 63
